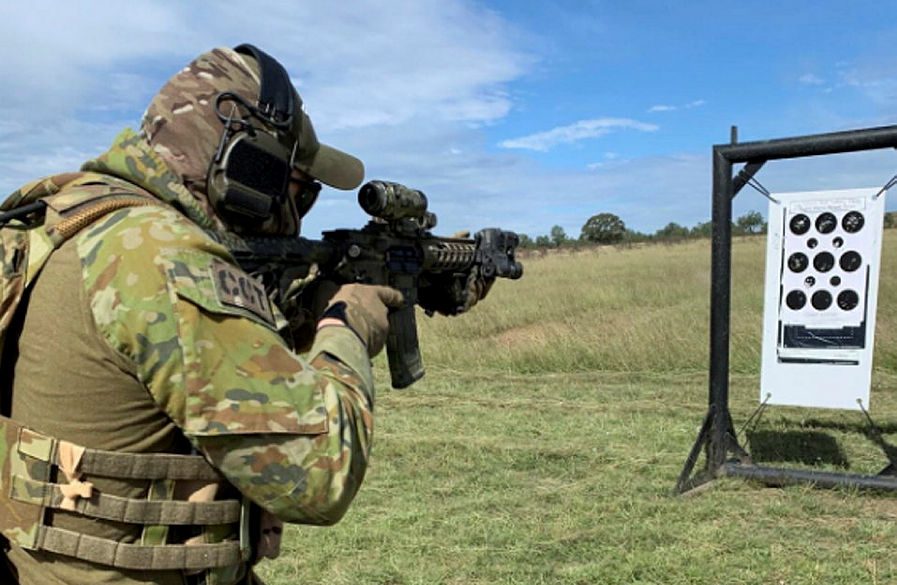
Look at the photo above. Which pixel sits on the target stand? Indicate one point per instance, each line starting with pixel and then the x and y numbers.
pixel 822 266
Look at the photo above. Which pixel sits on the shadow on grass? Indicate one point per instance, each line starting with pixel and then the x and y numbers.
pixel 812 445
pixel 859 426
pixel 804 446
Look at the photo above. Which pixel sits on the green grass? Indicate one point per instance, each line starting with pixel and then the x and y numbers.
pixel 545 441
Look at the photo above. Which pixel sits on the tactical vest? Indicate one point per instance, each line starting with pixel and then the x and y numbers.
pixel 32 463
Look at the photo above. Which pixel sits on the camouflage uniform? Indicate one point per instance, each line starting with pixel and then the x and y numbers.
pixel 142 336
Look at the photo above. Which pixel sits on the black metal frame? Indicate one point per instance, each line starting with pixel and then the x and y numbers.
pixel 717 437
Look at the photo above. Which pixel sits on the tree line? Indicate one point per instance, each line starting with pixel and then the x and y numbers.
pixel 607 228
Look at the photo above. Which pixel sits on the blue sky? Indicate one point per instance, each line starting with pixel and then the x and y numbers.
pixel 520 114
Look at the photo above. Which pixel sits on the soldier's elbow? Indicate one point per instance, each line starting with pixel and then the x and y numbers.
pixel 322 502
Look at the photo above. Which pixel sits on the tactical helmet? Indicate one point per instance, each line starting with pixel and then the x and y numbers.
pixel 232 126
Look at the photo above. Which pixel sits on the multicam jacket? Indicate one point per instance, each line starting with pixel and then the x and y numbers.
pixel 138 335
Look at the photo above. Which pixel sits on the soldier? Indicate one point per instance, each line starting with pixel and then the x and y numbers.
pixel 156 428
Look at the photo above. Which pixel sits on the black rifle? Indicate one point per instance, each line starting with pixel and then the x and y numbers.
pixel 397 249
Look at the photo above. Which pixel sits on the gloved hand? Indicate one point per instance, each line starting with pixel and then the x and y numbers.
pixel 455 293
pixel 303 307
pixel 364 309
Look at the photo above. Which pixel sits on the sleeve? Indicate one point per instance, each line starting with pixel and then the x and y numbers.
pixel 292 433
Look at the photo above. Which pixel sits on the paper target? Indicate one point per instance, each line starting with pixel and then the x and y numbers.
pixel 822 266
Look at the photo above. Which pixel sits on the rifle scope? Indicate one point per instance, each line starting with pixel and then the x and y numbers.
pixel 391 201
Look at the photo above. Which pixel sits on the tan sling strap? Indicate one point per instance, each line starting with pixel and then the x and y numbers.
pixel 77 219
pixel 134 556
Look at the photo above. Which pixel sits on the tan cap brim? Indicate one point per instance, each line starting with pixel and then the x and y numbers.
pixel 334 167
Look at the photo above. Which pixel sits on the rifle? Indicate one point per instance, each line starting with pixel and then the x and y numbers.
pixel 396 248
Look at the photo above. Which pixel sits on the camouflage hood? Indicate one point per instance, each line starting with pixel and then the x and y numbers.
pixel 131 158
pixel 130 161
pixel 183 126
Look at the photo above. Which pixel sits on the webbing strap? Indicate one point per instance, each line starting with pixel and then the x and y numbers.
pixel 146 466
pixel 130 510
pixel 169 557
pixel 115 464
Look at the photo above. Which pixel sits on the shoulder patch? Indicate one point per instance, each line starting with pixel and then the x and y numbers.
pixel 235 288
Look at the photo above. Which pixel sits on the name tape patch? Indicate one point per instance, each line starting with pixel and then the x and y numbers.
pixel 237 289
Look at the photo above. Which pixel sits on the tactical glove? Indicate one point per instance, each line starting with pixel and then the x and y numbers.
pixel 302 306
pixel 364 309
pixel 454 294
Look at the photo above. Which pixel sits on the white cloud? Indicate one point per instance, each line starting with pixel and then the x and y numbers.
pixel 811 79
pixel 407 85
pixel 610 159
pixel 670 108
pixel 581 130
pixel 876 83
pixel 74 77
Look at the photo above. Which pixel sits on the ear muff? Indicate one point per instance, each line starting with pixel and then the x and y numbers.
pixel 248 179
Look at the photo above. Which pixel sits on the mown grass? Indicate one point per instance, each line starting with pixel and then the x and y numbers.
pixel 545 441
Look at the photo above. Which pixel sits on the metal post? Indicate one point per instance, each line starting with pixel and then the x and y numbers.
pixel 819 144
pixel 717 434
pixel 720 289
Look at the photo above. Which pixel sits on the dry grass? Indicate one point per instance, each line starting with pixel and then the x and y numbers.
pixel 545 441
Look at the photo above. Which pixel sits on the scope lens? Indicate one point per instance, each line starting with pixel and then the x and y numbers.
pixel 373 197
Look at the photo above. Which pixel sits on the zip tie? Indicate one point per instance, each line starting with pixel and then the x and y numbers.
pixel 887 186
pixel 759 188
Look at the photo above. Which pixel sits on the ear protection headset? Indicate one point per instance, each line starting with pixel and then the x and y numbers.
pixel 249 176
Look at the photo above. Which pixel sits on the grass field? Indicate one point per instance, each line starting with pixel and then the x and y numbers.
pixel 545 441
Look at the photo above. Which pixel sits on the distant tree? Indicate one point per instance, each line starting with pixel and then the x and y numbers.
pixel 604 228
pixel 633 236
pixel 672 231
pixel 702 230
pixel 543 241
pixel 750 223
pixel 891 219
pixel 558 236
